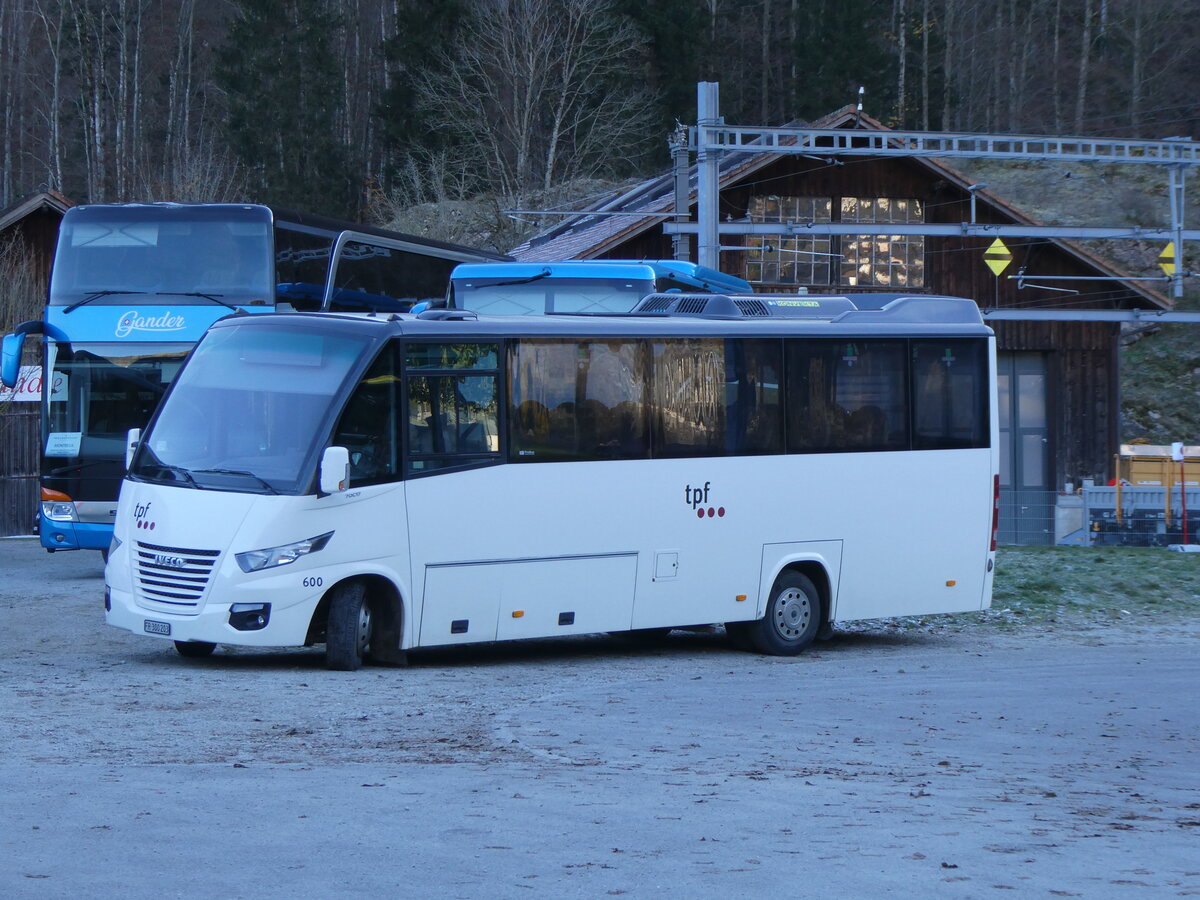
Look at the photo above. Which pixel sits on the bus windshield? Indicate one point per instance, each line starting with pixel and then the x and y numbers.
pixel 100 391
pixel 538 295
pixel 280 386
pixel 186 255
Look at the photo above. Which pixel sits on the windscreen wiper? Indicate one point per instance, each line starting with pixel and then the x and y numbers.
pixel 87 464
pixel 96 295
pixel 538 277
pixel 215 298
pixel 258 478
pixel 180 473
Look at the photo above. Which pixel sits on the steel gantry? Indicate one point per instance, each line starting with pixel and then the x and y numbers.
pixel 711 138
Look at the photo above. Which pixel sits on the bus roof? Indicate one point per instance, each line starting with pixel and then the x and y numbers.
pixel 901 317
pixel 280 214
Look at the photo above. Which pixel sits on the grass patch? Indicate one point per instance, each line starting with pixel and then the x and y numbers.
pixel 1080 586
pixel 1048 583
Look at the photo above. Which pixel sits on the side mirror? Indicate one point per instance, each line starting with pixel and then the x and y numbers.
pixel 10 359
pixel 335 470
pixel 132 437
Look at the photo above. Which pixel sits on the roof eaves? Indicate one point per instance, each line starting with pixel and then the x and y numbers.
pixel 31 203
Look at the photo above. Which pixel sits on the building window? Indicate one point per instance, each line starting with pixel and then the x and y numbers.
pixel 882 260
pixel 789 259
pixel 849 261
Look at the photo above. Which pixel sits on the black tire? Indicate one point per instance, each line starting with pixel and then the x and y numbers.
pixel 348 631
pixel 195 649
pixel 793 618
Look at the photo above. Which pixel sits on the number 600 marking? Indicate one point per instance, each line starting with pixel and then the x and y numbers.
pixel 313 581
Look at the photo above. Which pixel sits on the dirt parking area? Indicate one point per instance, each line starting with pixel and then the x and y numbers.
pixel 948 761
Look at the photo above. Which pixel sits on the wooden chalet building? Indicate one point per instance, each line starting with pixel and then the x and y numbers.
pixel 1059 385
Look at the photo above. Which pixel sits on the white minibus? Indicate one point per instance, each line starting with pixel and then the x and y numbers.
pixel 382 483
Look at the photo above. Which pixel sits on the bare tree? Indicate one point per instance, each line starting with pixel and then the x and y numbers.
pixel 22 286
pixel 528 98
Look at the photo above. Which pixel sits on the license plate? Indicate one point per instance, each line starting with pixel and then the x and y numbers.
pixel 153 627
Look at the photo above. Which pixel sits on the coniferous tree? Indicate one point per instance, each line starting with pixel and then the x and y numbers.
pixel 282 90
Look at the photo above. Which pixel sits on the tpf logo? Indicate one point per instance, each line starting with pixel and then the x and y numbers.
pixel 697 499
pixel 141 517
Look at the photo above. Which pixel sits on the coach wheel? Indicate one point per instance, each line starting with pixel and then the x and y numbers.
pixel 793 617
pixel 195 649
pixel 348 631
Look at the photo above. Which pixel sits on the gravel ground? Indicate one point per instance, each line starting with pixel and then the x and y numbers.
pixel 945 758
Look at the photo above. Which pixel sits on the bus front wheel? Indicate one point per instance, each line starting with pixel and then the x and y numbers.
pixel 793 617
pixel 348 631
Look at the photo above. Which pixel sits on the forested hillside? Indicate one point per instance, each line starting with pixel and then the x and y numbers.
pixel 342 106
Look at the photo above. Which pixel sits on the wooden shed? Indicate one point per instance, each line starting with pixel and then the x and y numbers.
pixel 28 230
pixel 1059 384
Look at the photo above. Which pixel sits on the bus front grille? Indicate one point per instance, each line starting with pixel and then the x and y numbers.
pixel 174 576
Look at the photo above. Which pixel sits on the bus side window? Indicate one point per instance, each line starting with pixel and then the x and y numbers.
pixel 949 394
pixel 753 374
pixel 368 425
pixel 847 395
pixel 577 400
pixel 301 265
pixel 453 405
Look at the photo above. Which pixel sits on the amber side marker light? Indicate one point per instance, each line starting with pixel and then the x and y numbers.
pixel 518 613
pixel 951 583
pixel 740 598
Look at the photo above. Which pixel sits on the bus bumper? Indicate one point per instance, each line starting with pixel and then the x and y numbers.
pixel 285 627
pixel 74 535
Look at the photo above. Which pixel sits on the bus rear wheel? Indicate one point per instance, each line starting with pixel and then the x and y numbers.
pixel 348 631
pixel 793 617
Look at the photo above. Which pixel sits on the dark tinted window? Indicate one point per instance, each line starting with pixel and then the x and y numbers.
pixel 846 395
pixel 949 394
pixel 714 397
pixel 376 277
pixel 753 396
pixel 689 397
pixel 453 405
pixel 301 267
pixel 368 427
pixel 578 400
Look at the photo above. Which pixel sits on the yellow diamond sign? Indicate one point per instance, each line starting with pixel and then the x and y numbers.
pixel 997 257
pixel 1166 259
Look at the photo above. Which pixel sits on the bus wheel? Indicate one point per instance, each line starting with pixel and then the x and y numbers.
pixel 348 632
pixel 195 649
pixel 793 617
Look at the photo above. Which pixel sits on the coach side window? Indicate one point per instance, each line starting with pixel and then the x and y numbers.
pixel 577 400
pixel 949 394
pixel 753 392
pixel 453 407
pixel 847 395
pixel 368 427
pixel 689 397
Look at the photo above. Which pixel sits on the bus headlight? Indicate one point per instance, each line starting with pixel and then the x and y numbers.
pixel 58 507
pixel 257 560
pixel 59 511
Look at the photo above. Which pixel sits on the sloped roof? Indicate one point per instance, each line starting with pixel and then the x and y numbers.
pixel 589 235
pixel 31 203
